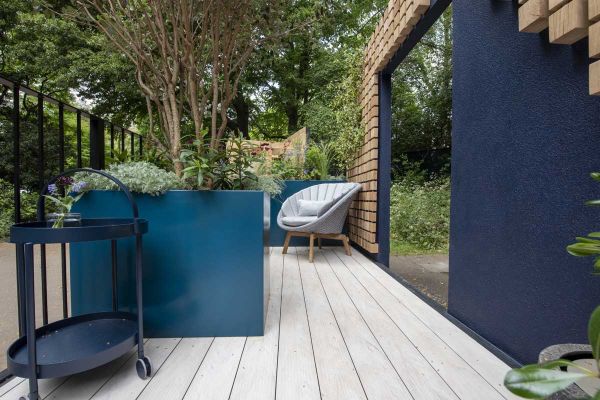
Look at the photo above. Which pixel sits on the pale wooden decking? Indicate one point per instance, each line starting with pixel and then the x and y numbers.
pixel 340 328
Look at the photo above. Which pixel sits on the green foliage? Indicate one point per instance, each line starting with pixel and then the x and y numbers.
pixel 139 177
pixel 28 207
pixel 422 93
pixel 538 381
pixel 319 159
pixel 541 381
pixel 227 167
pixel 334 114
pixel 420 214
pixel 288 168
pixel 590 245
pixel 269 184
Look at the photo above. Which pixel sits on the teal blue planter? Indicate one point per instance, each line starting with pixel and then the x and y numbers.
pixel 206 262
pixel 277 235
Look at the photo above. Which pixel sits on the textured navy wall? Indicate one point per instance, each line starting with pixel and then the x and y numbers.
pixel 526 136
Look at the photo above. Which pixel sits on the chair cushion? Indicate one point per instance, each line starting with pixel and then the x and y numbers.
pixel 297 221
pixel 312 208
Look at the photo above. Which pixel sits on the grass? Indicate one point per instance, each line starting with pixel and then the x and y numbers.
pixel 399 248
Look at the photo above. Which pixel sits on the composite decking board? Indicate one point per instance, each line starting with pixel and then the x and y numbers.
pixel 214 379
pixel 454 370
pixel 311 307
pixel 296 370
pixel 9 385
pixel 45 387
pixel 173 379
pixel 337 376
pixel 126 384
pixel 490 367
pixel 257 374
pixel 420 376
pixel 377 374
pixel 84 385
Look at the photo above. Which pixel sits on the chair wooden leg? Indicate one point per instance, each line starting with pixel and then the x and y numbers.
pixel 347 247
pixel 286 244
pixel 319 241
pixel 311 252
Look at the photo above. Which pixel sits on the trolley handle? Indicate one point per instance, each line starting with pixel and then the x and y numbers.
pixel 122 187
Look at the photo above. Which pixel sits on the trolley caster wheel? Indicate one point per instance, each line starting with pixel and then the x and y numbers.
pixel 143 367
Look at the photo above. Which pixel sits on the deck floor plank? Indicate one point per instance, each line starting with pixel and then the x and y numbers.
pixel 84 385
pixel 257 375
pixel 339 328
pixel 296 370
pixel 126 384
pixel 490 367
pixel 338 379
pixel 376 373
pixel 421 378
pixel 174 377
pixel 455 371
pixel 214 379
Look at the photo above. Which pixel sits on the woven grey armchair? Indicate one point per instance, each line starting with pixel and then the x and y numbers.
pixel 329 222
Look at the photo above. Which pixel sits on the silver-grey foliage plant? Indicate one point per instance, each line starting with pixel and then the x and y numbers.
pixel 139 177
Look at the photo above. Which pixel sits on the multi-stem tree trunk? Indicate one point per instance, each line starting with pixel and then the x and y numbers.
pixel 188 54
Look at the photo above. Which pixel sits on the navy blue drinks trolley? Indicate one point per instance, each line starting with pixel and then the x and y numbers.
pixel 83 342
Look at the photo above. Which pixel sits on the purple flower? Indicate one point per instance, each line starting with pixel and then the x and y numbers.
pixel 78 187
pixel 53 189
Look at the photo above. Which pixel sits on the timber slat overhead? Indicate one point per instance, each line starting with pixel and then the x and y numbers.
pixel 568 22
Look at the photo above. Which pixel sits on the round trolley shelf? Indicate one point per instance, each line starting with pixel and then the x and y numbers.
pixel 76 344
pixel 89 230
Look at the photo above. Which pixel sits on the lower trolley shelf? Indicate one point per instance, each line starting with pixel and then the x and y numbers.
pixel 76 344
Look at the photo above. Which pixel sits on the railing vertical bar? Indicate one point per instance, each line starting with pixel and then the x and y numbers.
pixel 112 139
pixel 61 136
pixel 40 124
pixel 79 155
pixel 132 144
pixel 42 179
pixel 16 121
pixel 122 139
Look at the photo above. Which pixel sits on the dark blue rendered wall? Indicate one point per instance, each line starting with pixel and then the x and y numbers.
pixel 526 136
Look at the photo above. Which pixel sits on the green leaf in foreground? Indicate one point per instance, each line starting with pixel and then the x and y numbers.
pixel 594 333
pixel 540 381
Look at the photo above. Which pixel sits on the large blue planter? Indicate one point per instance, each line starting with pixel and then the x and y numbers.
pixel 277 235
pixel 206 262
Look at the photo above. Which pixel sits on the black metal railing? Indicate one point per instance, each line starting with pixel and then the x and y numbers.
pixel 98 129
pixel 97 135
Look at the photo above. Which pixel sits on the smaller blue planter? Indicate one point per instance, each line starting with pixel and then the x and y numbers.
pixel 277 236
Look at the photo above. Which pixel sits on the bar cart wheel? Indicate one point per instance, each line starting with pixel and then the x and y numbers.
pixel 143 367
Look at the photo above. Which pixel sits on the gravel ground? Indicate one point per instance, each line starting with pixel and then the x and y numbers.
pixel 428 273
pixel 8 293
